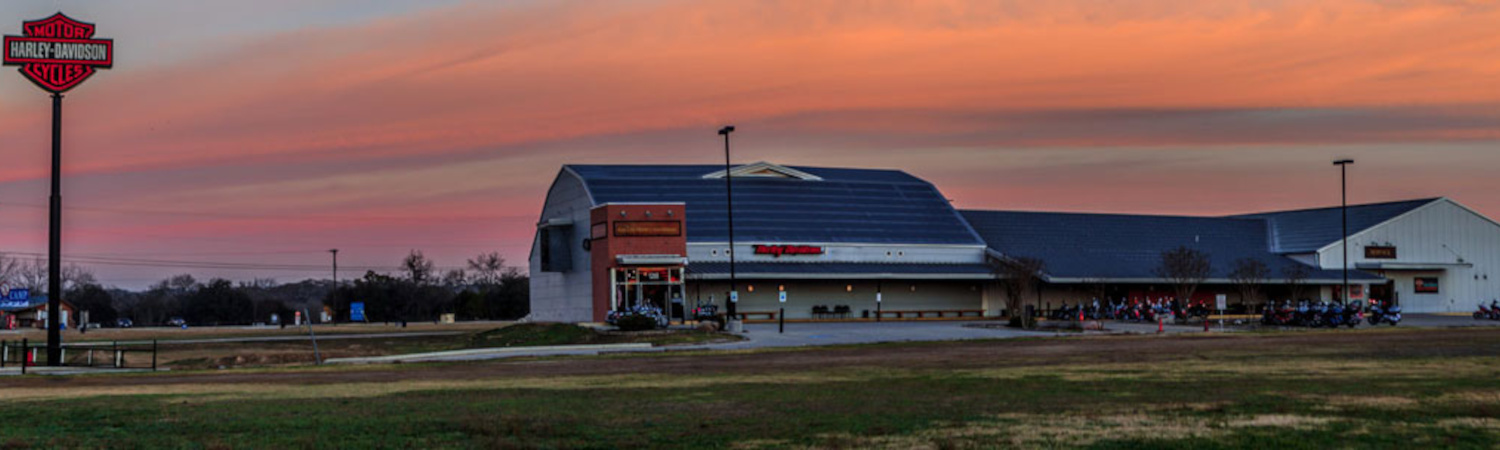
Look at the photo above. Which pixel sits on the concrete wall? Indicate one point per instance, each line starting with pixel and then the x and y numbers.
pixel 803 295
pixel 1443 234
pixel 564 296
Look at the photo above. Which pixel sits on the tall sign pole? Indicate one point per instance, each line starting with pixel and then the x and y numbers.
pixel 57 53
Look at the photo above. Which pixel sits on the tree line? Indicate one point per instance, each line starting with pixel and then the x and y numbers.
pixel 487 289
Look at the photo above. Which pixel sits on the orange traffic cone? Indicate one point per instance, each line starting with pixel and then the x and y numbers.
pixel 1159 329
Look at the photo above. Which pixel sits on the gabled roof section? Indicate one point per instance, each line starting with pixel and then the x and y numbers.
pixel 876 206
pixel 1128 247
pixel 1308 230
pixel 765 169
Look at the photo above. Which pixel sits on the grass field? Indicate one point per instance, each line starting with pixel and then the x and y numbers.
pixel 177 354
pixel 1384 388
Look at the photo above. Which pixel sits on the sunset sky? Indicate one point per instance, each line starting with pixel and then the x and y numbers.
pixel 269 131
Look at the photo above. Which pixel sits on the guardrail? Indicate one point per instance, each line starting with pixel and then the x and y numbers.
pixel 112 354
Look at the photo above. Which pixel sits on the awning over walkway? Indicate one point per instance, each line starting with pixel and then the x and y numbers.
pixel 838 271
pixel 1429 266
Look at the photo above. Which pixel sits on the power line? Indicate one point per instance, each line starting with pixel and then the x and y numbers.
pixel 190 264
pixel 265 216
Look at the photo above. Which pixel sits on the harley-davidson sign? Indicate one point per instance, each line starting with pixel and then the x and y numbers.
pixel 778 250
pixel 58 52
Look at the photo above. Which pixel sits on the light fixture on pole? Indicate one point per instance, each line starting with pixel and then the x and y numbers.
pixel 729 207
pixel 334 296
pixel 1344 209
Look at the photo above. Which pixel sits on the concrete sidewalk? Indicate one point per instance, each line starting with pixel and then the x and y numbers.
pixel 498 353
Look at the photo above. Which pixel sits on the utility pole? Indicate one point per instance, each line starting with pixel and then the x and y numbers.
pixel 1344 209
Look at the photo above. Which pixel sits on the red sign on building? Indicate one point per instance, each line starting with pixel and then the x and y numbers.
pixel 58 53
pixel 778 250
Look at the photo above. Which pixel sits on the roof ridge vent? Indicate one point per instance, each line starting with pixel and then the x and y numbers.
pixel 765 170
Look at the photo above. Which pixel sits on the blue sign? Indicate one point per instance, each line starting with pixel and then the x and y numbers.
pixel 19 295
pixel 357 311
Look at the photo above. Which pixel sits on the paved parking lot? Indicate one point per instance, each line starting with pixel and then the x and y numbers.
pixel 825 333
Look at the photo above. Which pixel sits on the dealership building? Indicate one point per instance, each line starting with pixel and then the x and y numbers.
pixel 853 244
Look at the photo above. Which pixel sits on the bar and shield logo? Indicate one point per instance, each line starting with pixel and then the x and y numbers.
pixel 57 53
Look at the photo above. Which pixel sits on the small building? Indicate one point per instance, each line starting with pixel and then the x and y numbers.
pixel 1431 255
pixel 31 313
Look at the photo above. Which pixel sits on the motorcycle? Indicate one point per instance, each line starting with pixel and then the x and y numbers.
pixel 1303 317
pixel 1385 314
pixel 1333 315
pixel 1491 313
pixel 1353 315
pixel 644 310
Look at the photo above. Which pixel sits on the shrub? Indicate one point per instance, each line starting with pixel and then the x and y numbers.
pixel 636 322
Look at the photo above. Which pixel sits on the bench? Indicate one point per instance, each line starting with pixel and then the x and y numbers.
pixel 924 313
pixel 745 315
pixel 836 312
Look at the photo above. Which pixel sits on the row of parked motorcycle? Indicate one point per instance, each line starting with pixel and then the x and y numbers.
pixel 1324 314
pixel 1149 311
pixel 1490 313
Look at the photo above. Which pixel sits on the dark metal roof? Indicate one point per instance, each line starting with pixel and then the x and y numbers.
pixel 752 270
pixel 1112 246
pixel 1309 230
pixel 847 205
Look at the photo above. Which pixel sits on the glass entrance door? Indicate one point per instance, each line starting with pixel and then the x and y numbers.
pixel 651 288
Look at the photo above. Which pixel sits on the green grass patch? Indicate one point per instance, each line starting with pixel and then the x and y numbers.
pixel 1262 394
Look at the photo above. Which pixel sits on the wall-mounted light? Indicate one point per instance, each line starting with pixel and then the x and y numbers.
pixel 780 287
pixel 622 213
pixel 669 213
pixel 750 288
pixel 914 288
pixel 648 213
pixel 848 288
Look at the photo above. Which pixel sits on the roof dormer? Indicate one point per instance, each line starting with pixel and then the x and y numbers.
pixel 766 170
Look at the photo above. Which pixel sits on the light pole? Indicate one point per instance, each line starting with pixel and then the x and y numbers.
pixel 335 295
pixel 1344 209
pixel 733 320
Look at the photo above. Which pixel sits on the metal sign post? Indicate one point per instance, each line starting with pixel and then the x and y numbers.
pixel 1221 301
pixel 57 53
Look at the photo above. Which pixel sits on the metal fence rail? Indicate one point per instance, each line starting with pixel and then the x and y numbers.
pixel 112 354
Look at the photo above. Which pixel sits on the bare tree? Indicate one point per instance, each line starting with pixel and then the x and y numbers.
pixel 456 279
pixel 487 268
pixel 1018 277
pixel 1186 268
pixel 1296 279
pixel 418 268
pixel 32 275
pixel 1248 275
pixel 10 269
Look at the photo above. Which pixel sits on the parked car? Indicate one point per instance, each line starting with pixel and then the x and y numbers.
pixel 176 322
pixel 124 323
